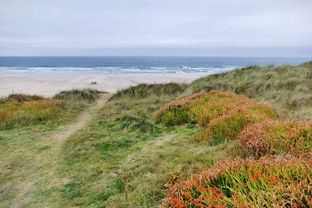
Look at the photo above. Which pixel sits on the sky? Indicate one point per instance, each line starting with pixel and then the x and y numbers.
pixel 270 28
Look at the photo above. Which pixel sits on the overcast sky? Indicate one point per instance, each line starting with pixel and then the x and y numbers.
pixel 156 27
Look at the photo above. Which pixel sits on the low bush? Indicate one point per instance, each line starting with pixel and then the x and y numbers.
pixel 201 108
pixel 137 123
pixel 146 90
pixel 277 137
pixel 88 95
pixel 24 113
pixel 264 183
pixel 228 126
pixel 22 98
pixel 192 108
pixel 223 114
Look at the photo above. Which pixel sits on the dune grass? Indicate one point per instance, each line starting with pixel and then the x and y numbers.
pixel 20 110
pixel 24 110
pixel 286 88
pixel 128 157
pixel 145 90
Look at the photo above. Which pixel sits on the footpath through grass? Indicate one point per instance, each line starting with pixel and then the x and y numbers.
pixel 30 154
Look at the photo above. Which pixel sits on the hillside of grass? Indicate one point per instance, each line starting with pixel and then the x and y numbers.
pixel 286 88
pixel 208 143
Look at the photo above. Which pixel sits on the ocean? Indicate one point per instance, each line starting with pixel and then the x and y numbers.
pixel 135 65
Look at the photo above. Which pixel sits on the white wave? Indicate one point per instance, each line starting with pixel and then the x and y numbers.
pixel 119 70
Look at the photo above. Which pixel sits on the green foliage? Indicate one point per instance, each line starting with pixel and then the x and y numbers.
pixel 88 95
pixel 22 98
pixel 71 190
pixel 176 115
pixel 145 90
pixel 13 114
pixel 132 122
pixel 228 127
pixel 287 88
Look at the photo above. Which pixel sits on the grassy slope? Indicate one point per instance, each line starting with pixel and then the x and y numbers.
pixel 25 151
pixel 286 88
pixel 120 162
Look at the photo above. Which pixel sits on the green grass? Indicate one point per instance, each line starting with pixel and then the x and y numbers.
pixel 144 90
pixel 28 151
pixel 139 157
pixel 286 88
pixel 123 157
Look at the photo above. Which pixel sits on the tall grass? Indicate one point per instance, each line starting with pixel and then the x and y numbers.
pixel 286 88
pixel 20 110
pixel 88 95
pixel 145 90
pixel 27 112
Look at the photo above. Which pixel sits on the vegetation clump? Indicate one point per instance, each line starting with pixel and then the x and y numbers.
pixel 287 88
pixel 137 123
pixel 19 110
pixel 229 125
pixel 277 137
pixel 145 90
pixel 22 98
pixel 246 183
pixel 203 107
pixel 223 114
pixel 88 95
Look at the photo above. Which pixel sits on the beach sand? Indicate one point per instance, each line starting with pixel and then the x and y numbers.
pixel 50 84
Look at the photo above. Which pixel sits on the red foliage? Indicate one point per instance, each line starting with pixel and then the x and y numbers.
pixel 246 183
pixel 277 137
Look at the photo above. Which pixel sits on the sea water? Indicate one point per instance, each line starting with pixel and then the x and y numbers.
pixel 135 65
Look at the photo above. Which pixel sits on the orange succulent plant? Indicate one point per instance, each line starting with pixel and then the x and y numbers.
pixel 268 182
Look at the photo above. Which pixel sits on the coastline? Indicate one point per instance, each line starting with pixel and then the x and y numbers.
pixel 50 84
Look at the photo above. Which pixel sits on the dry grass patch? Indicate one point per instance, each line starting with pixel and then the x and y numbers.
pixel 16 113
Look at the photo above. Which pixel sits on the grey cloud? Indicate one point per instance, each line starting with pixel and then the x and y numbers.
pixel 35 27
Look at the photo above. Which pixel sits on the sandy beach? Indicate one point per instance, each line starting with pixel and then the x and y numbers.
pixel 50 84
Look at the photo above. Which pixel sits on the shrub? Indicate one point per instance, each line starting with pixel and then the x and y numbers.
pixel 137 123
pixel 203 107
pixel 145 90
pixel 228 126
pixel 277 137
pixel 192 108
pixel 22 98
pixel 88 95
pixel 14 114
pixel 264 183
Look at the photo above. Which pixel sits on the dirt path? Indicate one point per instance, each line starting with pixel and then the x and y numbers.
pixel 83 119
pixel 44 165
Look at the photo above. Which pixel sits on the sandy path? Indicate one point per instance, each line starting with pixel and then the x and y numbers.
pixel 83 118
pixel 48 162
